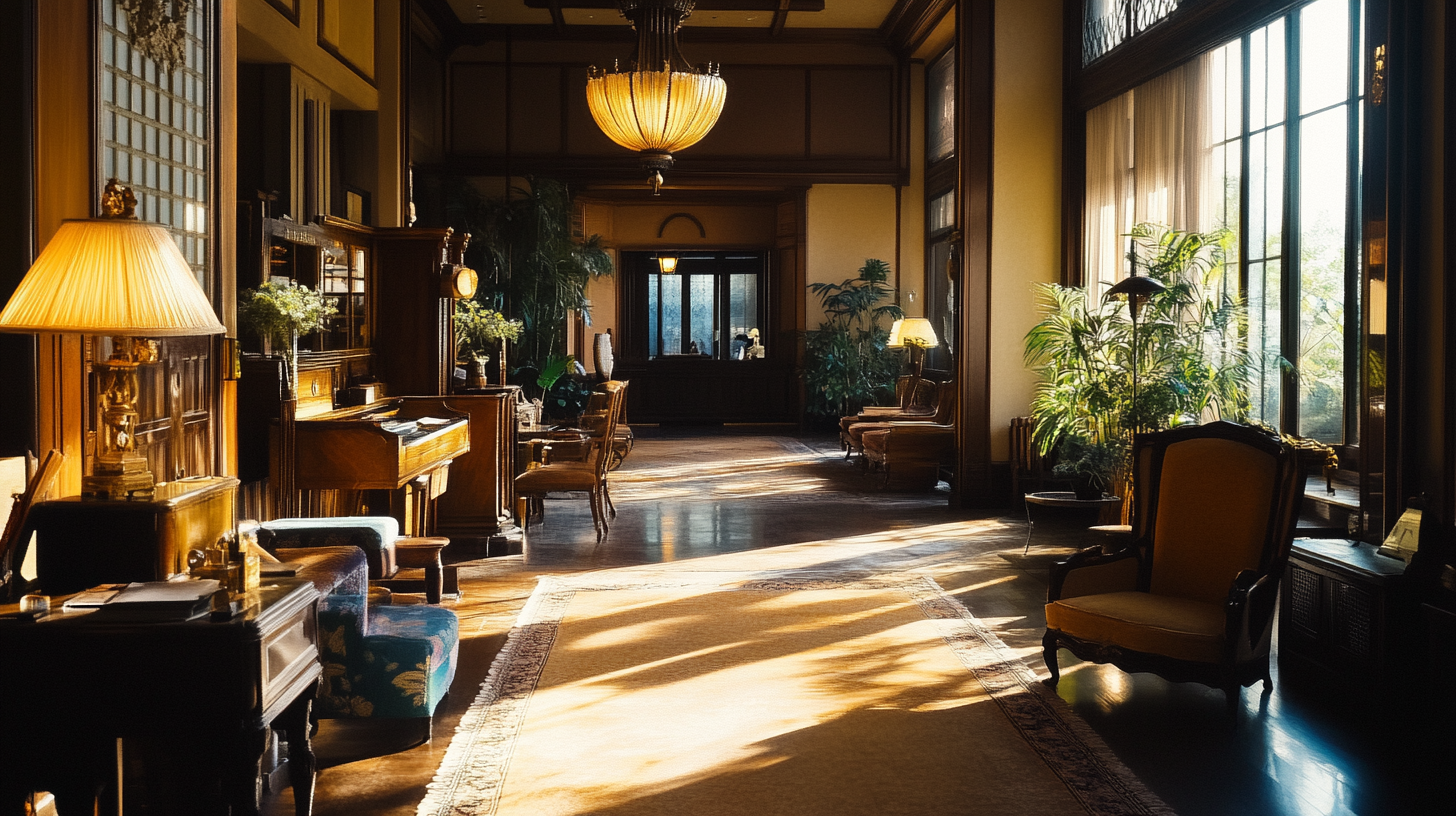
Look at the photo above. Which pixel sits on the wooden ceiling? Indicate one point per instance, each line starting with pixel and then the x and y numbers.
pixel 769 15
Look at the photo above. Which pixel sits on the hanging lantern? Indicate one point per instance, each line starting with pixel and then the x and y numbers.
pixel 662 104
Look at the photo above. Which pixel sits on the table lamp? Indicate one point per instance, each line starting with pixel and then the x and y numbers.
pixel 919 334
pixel 126 279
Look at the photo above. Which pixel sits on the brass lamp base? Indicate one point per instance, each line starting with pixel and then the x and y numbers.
pixel 118 478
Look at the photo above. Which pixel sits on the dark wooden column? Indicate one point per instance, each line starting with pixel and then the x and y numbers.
pixel 975 38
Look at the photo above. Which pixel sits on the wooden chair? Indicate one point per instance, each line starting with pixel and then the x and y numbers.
pixel 944 414
pixel 914 398
pixel 16 538
pixel 588 476
pixel 1191 597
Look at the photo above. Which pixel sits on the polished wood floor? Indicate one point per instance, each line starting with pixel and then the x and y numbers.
pixel 749 499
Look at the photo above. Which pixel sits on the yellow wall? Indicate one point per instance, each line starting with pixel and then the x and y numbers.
pixel 1026 204
pixel 265 35
pixel 845 225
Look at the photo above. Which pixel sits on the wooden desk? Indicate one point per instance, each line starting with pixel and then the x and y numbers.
pixel 192 702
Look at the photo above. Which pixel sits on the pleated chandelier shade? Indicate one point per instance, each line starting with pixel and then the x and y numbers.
pixel 663 104
pixel 110 276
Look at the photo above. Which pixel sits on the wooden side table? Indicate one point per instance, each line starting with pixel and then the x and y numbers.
pixel 1337 602
pixel 413 552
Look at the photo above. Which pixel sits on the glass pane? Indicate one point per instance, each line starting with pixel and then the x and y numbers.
pixel 1266 76
pixel 742 312
pixel 942 212
pixel 1324 54
pixel 672 315
pixel 940 108
pixel 652 303
pixel 1264 352
pixel 1322 193
pixel 703 305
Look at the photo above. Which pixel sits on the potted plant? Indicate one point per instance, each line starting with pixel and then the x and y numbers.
pixel 846 363
pixel 1089 466
pixel 531 265
pixel 282 312
pixel 1191 366
pixel 478 330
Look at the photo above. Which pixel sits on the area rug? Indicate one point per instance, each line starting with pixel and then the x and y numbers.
pixel 646 695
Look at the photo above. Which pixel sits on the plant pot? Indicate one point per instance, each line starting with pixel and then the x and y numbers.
pixel 476 376
pixel 1086 490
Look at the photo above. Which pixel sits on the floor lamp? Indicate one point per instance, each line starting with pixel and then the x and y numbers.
pixel 119 277
pixel 1136 288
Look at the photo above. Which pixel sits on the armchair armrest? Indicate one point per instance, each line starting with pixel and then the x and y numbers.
pixel 1091 572
pixel 1249 609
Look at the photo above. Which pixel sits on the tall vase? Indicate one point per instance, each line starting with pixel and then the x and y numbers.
pixel 502 380
pixel 290 363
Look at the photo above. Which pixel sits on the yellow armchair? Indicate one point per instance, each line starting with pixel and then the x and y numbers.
pixel 1191 595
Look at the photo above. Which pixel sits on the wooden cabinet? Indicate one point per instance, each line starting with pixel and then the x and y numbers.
pixel 477 512
pixel 1341 610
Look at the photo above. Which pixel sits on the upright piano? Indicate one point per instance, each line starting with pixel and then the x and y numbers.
pixel 391 445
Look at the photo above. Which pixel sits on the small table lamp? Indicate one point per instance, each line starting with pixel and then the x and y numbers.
pixel 125 278
pixel 919 334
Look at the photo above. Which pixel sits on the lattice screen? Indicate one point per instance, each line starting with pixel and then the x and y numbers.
pixel 155 130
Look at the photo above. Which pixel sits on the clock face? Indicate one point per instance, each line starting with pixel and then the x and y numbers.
pixel 464 281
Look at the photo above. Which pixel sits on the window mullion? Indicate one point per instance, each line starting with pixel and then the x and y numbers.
pixel 1290 288
pixel 1354 219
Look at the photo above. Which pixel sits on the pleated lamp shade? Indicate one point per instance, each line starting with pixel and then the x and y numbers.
pixel 913 331
pixel 110 276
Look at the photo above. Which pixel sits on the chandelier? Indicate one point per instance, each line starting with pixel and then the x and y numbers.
pixel 662 103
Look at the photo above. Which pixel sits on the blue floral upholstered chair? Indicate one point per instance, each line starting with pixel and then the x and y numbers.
pixel 379 661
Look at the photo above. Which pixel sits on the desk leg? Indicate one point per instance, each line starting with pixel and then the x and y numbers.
pixel 302 766
pixel 1026 549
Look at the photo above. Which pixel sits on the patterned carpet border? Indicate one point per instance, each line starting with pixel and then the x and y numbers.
pixel 480 752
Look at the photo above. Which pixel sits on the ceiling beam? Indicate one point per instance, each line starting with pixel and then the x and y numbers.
pixel 481 33
pixel 702 5
pixel 781 16
pixel 911 21
pixel 557 19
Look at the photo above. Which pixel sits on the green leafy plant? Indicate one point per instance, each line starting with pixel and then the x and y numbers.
pixel 530 265
pixel 1088 463
pixel 1191 366
pixel 283 312
pixel 479 330
pixel 847 365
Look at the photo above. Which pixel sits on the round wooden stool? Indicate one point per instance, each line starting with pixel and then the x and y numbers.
pixel 411 552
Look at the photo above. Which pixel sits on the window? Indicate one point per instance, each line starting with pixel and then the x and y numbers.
pixel 1260 137
pixel 155 130
pixel 940 201
pixel 940 107
pixel 1106 24
pixel 711 307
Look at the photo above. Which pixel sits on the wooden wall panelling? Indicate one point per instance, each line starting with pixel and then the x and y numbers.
pixel 852 112
pixel 412 338
pixel 347 32
pixel 766 108
pixel 17 229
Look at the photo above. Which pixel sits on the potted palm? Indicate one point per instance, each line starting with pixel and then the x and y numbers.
pixel 1089 466
pixel 281 312
pixel 478 331
pixel 847 364
pixel 1190 364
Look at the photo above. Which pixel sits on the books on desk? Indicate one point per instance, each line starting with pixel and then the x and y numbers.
pixel 161 601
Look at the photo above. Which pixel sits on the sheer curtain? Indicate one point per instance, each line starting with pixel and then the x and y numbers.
pixel 1148 159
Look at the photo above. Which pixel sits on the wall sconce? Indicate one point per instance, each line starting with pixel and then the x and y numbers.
pixel 667 263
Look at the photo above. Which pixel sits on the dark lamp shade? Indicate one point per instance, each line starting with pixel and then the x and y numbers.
pixel 1137 286
pixel 115 276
